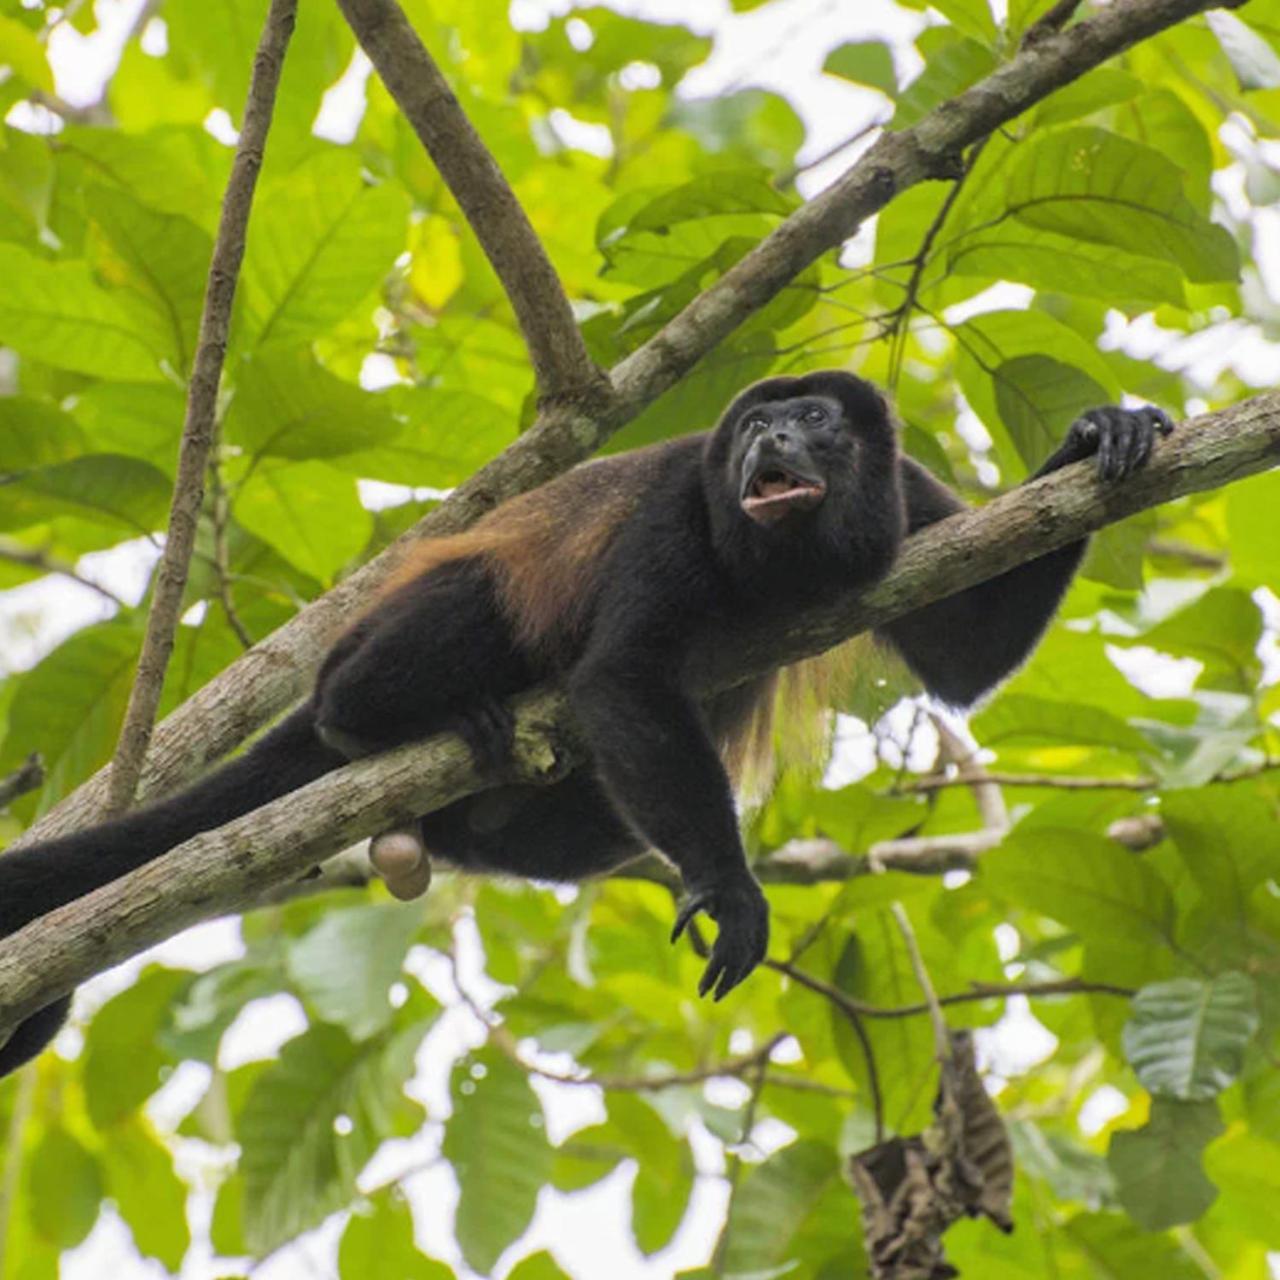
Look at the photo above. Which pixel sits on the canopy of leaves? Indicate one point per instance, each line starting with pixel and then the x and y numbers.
pixel 1104 244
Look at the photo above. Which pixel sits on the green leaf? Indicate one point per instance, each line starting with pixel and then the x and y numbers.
pixel 1159 1178
pixel 1062 264
pixel 23 55
pixel 1091 885
pixel 724 192
pixel 867 62
pixel 64 1188
pixel 952 64
pixel 1101 87
pixel 378 1245
pixel 148 1194
pixel 993 340
pixel 319 243
pixel 448 435
pixel 157 265
pixel 1098 186
pixel 1229 840
pixel 1222 628
pixel 664 1173
pixel 311 1121
pixel 1253 532
pixel 54 312
pixel 69 707
pixel 309 512
pixel 538 1266
pixel 773 1202
pixel 103 487
pixel 289 406
pixel 35 434
pixel 1187 1037
pixel 142 420
pixel 1018 717
pixel 345 965
pixel 1255 62
pixel 1038 398
pixel 123 1057
pixel 496 1142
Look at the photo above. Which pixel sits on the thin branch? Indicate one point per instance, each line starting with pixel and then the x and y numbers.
pixel 1070 782
pixel 979 991
pixel 279 669
pixel 221 559
pixel 564 369
pixel 29 776
pixel 202 405
pixel 43 562
pixel 941 1036
pixel 1050 22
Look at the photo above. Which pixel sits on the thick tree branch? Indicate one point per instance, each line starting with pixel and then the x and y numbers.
pixel 229 869
pixel 564 369
pixel 202 407
pixel 278 671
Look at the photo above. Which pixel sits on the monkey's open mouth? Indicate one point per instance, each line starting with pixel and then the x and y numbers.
pixel 774 492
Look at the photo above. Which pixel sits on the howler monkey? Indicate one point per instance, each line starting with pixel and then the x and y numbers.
pixel 602 578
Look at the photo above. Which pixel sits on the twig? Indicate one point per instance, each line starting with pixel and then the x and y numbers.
pixel 564 369
pixel 221 559
pixel 1069 782
pixel 45 563
pixel 278 670
pixel 941 1036
pixel 202 404
pixel 29 776
pixel 1050 22
pixel 978 991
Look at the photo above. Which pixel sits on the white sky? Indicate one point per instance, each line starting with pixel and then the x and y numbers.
pixel 780 46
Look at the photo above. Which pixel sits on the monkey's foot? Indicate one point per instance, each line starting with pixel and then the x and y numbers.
pixel 738 907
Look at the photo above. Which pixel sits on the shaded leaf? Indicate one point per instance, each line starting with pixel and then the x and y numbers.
pixel 1159 1179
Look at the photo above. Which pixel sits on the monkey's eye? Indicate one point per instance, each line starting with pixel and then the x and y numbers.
pixel 815 413
pixel 756 422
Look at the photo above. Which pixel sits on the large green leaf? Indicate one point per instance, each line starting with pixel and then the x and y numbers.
pixel 1101 187
pixel 346 963
pixel 496 1143
pixel 55 312
pixel 1093 886
pixel 773 1202
pixel 69 707
pixel 148 1194
pixel 868 62
pixel 64 1183
pixel 106 488
pixel 1187 1037
pixel 311 1121
pixel 952 64
pixel 378 1245
pixel 309 512
pixel 320 241
pixel 1159 1178
pixel 1020 717
pixel 288 406
pixel 124 1058
pixel 989 342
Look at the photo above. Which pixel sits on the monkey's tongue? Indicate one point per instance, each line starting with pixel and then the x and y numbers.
pixel 775 493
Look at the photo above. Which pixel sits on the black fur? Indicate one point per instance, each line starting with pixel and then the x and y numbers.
pixel 703 536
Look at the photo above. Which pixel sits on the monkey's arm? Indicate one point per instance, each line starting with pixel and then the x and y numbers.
pixel 652 750
pixel 966 644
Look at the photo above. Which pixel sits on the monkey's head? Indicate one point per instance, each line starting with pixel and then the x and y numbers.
pixel 802 480
pixel 787 446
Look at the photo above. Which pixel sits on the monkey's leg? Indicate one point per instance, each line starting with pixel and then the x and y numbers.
pixel 435 655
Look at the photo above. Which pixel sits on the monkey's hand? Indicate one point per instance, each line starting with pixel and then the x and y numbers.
pixel 1121 439
pixel 737 905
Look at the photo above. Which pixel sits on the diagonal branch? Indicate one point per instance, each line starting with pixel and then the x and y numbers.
pixel 202 407
pixel 233 867
pixel 560 360
pixel 278 671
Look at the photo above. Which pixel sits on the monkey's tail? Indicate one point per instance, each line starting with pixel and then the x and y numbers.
pixel 36 879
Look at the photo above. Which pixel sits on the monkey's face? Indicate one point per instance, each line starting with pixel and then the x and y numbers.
pixel 787 454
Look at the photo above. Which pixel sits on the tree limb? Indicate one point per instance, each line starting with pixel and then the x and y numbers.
pixel 564 369
pixel 202 407
pixel 278 670
pixel 231 868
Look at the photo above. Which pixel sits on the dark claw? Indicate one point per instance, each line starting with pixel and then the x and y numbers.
pixel 1122 439
pixel 739 909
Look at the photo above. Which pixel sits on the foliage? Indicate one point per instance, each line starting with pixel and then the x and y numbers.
pixel 372 342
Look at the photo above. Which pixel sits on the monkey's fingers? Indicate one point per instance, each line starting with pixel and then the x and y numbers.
pixel 690 908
